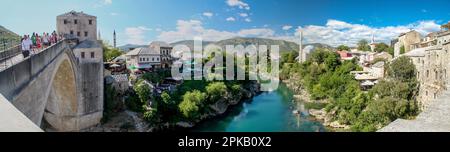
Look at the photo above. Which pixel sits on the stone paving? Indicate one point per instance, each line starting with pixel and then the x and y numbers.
pixel 436 118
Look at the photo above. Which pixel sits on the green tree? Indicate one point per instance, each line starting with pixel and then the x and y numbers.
pixel 331 61
pixel 391 51
pixel 134 103
pixel 111 103
pixel 110 53
pixel 191 104
pixel 236 89
pixel 402 50
pixel 216 91
pixel 143 91
pixel 381 47
pixel 166 98
pixel 363 45
pixel 402 69
pixel 343 48
pixel 151 115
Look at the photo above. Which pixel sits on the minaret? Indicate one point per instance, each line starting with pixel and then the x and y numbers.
pixel 301 54
pixel 114 39
pixel 373 39
pixel 372 43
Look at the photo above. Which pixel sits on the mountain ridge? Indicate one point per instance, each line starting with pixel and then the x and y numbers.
pixel 285 46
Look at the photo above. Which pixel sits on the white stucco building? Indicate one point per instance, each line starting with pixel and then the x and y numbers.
pixel 143 58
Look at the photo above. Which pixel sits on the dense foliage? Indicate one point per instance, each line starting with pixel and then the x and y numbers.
pixel 363 45
pixel 110 53
pixel 325 77
pixel 381 47
pixel 343 48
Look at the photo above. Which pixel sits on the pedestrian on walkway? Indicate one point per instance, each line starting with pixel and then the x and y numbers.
pixel 26 46
pixel 45 40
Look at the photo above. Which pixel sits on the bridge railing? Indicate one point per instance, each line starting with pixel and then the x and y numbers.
pixel 14 78
pixel 9 53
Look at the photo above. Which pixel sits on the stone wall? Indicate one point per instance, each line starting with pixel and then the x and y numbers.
pixel 55 86
pixel 431 74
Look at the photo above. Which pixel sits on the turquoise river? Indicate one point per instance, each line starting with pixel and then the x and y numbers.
pixel 266 112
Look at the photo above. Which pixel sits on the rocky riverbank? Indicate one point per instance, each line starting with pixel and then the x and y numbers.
pixel 302 95
pixel 222 106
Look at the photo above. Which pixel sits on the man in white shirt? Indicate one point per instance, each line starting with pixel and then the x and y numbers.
pixel 26 46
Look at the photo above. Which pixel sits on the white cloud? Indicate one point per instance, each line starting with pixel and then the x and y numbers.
pixel 338 32
pixel 248 20
pixel 256 32
pixel 107 2
pixel 287 27
pixel 333 33
pixel 136 35
pixel 232 19
pixel 187 30
pixel 243 14
pixel 114 14
pixel 238 3
pixel 208 14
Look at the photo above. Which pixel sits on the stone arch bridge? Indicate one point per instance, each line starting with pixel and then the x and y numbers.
pixel 52 91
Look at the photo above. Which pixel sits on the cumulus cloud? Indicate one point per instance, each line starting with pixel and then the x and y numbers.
pixel 107 2
pixel 248 20
pixel 136 35
pixel 333 33
pixel 286 27
pixel 243 14
pixel 187 30
pixel 339 32
pixel 208 14
pixel 238 3
pixel 231 19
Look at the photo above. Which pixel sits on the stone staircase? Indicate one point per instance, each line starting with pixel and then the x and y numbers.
pixel 435 118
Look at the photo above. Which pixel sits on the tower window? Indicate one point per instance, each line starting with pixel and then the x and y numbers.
pixel 82 55
pixel 90 22
pixel 78 33
pixel 92 54
pixel 85 34
pixel 65 21
pixel 75 21
pixel 71 32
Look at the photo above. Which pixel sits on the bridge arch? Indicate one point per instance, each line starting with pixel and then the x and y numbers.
pixel 61 102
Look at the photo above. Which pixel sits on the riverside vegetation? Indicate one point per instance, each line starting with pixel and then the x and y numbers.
pixel 325 78
pixel 190 103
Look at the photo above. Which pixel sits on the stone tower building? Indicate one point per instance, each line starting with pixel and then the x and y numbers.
pixel 77 24
pixel 89 52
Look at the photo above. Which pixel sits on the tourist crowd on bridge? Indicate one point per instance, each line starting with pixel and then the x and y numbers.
pixel 35 43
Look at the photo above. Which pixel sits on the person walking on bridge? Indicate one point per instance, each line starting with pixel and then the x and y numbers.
pixel 26 46
pixel 33 39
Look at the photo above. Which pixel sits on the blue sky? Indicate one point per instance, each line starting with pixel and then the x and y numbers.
pixel 327 21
